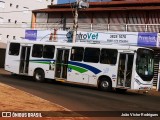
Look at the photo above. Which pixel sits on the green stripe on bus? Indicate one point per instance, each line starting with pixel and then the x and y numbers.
pixel 78 69
pixel 43 62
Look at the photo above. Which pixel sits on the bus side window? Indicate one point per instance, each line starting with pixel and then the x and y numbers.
pixel 37 51
pixel 108 56
pixel 77 53
pixel 91 55
pixel 14 49
pixel 48 51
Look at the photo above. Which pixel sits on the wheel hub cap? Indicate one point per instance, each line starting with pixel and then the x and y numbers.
pixel 105 84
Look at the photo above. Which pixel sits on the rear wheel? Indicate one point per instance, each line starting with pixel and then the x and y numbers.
pixel 105 84
pixel 39 75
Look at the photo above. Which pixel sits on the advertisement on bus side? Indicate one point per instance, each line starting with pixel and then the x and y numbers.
pixel 147 39
pixel 124 38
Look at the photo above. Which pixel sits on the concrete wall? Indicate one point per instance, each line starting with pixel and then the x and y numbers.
pixel 15 17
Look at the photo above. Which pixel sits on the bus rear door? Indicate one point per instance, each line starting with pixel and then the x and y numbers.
pixel 125 70
pixel 61 66
pixel 24 59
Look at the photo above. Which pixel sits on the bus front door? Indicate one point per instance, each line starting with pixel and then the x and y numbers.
pixel 125 70
pixel 24 59
pixel 61 63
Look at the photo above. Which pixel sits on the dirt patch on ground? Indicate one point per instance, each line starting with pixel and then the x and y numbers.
pixel 12 99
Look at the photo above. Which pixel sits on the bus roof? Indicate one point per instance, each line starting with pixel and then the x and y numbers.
pixel 79 44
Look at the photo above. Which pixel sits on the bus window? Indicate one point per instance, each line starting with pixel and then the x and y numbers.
pixel 92 55
pixel 145 64
pixel 37 51
pixel 48 51
pixel 14 49
pixel 77 53
pixel 108 56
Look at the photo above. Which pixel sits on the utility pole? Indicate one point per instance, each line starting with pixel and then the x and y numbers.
pixel 75 26
pixel 80 4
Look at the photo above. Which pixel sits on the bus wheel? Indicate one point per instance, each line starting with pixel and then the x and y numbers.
pixel 105 84
pixel 39 75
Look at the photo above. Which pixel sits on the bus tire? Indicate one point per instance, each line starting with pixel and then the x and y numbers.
pixel 39 75
pixel 105 84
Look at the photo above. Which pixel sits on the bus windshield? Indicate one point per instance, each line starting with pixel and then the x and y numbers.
pixel 145 64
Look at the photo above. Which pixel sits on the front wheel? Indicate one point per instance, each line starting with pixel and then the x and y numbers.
pixel 39 75
pixel 105 84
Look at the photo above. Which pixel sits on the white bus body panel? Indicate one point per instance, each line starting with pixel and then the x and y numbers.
pixel 36 63
pixel 10 66
pixel 139 84
pixel 12 62
pixel 90 77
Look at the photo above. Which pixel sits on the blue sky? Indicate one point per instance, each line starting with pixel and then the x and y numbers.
pixel 69 1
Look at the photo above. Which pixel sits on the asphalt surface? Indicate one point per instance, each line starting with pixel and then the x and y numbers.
pixel 82 98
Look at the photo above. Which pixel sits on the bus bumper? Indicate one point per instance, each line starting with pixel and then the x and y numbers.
pixel 140 86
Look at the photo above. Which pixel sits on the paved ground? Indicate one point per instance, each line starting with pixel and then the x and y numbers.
pixel 152 92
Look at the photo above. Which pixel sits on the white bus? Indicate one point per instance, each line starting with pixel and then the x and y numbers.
pixel 104 66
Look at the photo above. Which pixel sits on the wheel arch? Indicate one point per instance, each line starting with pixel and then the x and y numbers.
pixel 38 68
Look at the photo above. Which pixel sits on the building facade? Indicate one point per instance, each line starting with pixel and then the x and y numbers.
pixel 15 17
pixel 131 16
